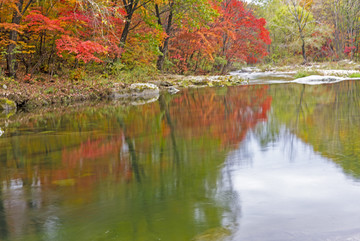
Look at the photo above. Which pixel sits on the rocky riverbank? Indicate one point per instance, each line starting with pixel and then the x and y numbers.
pixel 30 95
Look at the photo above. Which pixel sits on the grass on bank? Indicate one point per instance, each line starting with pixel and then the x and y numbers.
pixel 305 73
pixel 354 75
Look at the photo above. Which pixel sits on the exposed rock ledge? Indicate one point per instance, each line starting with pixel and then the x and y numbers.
pixel 317 79
pixel 142 91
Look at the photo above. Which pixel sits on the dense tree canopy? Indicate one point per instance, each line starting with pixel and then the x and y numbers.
pixel 178 36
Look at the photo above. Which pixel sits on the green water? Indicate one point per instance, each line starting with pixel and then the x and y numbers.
pixel 262 162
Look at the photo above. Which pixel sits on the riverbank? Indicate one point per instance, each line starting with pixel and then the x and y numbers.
pixel 29 94
pixel 34 94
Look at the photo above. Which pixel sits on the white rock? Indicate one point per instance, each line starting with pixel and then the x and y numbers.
pixel 143 86
pixel 317 80
pixel 144 90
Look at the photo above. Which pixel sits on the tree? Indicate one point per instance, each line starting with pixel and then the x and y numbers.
pixel 18 8
pixel 173 15
pixel 301 18
pixel 166 24
pixel 345 17
pixel 236 35
pixel 244 37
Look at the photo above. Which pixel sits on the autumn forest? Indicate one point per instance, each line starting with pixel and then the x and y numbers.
pixel 70 37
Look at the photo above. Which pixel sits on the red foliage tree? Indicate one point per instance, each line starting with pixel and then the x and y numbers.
pixel 244 37
pixel 236 35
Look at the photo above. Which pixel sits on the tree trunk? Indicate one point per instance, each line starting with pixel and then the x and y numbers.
pixel 126 30
pixel 303 50
pixel 124 35
pixel 130 7
pixel 161 58
pixel 225 67
pixel 11 63
pixel 163 49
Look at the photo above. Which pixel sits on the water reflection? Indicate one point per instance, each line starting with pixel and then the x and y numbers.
pixel 126 173
pixel 327 117
pixel 292 197
pixel 251 162
pixel 289 171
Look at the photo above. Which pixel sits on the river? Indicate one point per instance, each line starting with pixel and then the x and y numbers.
pixel 254 162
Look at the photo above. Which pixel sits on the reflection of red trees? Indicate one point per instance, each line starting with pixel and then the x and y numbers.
pixel 227 117
pixel 92 149
pixel 85 165
pixel 194 114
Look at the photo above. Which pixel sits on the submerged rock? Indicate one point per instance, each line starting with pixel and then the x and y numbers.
pixel 6 104
pixel 65 182
pixel 172 90
pixel 214 234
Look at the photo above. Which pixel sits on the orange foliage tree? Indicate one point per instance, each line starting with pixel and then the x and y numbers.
pixel 46 36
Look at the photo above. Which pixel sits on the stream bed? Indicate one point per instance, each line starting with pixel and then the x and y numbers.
pixel 270 162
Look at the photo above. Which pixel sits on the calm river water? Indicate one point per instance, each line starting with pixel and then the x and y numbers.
pixel 256 162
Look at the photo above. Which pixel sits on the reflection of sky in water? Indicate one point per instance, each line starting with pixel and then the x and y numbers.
pixel 288 192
